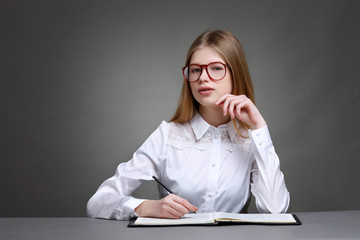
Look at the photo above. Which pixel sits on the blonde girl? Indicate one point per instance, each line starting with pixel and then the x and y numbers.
pixel 214 153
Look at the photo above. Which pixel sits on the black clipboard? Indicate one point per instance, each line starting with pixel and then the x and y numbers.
pixel 221 223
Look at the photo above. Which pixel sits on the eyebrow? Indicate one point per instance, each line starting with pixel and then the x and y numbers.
pixel 209 63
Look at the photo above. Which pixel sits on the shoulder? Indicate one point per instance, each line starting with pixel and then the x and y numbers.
pixel 173 125
pixel 176 130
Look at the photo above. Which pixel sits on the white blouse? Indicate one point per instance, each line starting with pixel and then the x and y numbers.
pixel 213 168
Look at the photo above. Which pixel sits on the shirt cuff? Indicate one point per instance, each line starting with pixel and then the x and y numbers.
pixel 128 207
pixel 132 204
pixel 261 137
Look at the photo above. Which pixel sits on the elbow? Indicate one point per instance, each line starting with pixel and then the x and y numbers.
pixel 275 205
pixel 96 210
pixel 281 205
pixel 91 210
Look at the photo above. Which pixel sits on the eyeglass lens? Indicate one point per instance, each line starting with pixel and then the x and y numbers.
pixel 216 71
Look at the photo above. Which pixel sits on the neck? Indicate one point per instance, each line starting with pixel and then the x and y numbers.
pixel 213 115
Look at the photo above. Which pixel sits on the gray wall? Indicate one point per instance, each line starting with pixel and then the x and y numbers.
pixel 84 83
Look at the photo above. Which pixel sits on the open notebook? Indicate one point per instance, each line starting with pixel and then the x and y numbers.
pixel 216 218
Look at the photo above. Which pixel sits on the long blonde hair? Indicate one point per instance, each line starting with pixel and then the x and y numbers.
pixel 230 49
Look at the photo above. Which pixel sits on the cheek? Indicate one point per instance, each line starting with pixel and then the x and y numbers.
pixel 227 86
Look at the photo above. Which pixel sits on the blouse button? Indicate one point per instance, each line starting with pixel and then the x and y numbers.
pixel 213 165
pixel 209 195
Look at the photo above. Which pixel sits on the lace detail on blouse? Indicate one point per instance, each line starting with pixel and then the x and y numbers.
pixel 181 135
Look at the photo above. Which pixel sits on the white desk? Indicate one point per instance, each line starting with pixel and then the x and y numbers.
pixel 315 225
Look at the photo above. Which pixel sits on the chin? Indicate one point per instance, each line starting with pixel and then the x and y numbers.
pixel 207 103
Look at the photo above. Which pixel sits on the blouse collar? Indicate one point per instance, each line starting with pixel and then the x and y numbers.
pixel 200 126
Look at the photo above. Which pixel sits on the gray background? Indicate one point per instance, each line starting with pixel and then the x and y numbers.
pixel 84 83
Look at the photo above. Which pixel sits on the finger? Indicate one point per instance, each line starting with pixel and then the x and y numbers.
pixel 233 102
pixel 239 108
pixel 167 208
pixel 231 109
pixel 227 103
pixel 179 209
pixel 232 105
pixel 221 99
pixel 184 204
pixel 174 213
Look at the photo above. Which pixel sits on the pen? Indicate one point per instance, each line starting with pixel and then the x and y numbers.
pixel 158 181
pixel 167 189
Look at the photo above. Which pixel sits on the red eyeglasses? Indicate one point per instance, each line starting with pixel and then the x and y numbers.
pixel 215 70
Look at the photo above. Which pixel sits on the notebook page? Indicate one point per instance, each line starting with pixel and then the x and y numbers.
pixel 256 217
pixel 191 218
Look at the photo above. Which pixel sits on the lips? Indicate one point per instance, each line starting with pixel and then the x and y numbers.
pixel 202 89
pixel 205 90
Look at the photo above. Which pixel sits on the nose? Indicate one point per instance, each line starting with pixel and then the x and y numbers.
pixel 204 75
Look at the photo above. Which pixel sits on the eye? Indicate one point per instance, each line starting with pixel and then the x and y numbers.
pixel 194 69
pixel 217 67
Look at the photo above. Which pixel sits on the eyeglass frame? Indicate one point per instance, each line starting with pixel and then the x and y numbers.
pixel 207 72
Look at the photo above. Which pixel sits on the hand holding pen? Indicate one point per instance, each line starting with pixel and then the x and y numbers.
pixel 171 206
pixel 166 188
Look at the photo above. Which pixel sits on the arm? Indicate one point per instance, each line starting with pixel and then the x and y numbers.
pixel 267 181
pixel 171 206
pixel 113 198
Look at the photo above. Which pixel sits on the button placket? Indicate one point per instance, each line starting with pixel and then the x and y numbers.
pixel 213 170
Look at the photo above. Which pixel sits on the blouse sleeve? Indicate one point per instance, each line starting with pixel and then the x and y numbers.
pixel 267 180
pixel 113 199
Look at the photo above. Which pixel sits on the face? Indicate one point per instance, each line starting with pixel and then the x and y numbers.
pixel 204 90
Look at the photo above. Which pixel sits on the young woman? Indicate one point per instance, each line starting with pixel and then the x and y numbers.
pixel 215 150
